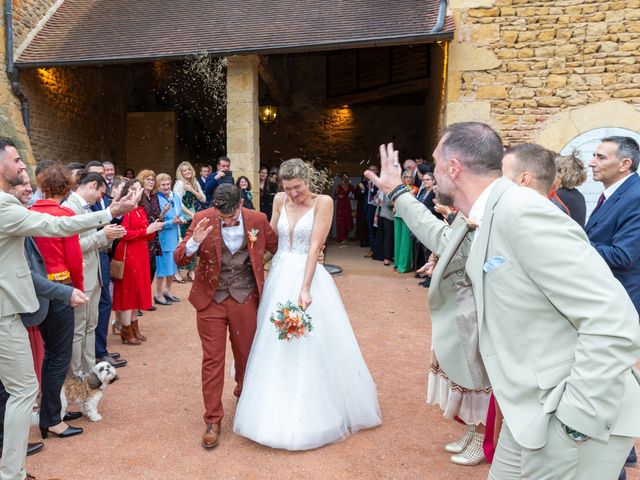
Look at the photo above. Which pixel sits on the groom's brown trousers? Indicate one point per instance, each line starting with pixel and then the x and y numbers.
pixel 213 321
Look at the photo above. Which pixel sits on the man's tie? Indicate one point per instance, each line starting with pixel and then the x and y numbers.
pixel 601 200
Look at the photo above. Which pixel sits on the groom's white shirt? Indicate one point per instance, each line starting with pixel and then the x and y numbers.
pixel 231 236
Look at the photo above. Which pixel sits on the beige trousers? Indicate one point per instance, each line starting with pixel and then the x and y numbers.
pixel 560 459
pixel 83 358
pixel 19 379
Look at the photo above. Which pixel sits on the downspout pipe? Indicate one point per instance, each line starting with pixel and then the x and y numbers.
pixel 442 15
pixel 12 73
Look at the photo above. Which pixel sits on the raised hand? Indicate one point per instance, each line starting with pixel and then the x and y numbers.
pixel 390 169
pixel 77 298
pixel 125 204
pixel 202 230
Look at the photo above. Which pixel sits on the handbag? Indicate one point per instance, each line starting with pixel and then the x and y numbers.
pixel 116 267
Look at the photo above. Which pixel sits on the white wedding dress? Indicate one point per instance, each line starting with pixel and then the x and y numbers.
pixel 314 390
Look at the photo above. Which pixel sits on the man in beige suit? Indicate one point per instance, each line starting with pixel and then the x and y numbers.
pixel 558 335
pixel 91 187
pixel 17 295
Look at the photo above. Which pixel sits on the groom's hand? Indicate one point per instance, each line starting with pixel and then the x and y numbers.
pixel 390 169
pixel 202 230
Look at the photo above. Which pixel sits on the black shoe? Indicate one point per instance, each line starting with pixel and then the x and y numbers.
pixel 153 308
pixel 139 313
pixel 160 301
pixel 69 432
pixel 114 362
pixel 34 448
pixel 31 448
pixel 426 282
pixel 71 416
pixel 632 459
pixel 114 355
pixel 171 298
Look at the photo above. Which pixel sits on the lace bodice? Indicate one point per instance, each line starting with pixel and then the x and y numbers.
pixel 300 240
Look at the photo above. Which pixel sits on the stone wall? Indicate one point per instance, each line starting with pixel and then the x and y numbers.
pixel 518 64
pixel 343 137
pixel 77 114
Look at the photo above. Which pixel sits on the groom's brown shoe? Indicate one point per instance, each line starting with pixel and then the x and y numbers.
pixel 211 436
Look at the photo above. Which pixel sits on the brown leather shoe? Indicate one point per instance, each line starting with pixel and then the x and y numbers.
pixel 211 436
pixel 127 336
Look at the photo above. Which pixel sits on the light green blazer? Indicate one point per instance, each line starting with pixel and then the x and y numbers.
pixel 558 334
pixel 16 222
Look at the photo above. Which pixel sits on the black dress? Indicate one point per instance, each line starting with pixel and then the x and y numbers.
pixel 574 200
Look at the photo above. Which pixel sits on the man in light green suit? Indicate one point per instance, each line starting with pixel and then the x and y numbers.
pixel 558 335
pixel 17 296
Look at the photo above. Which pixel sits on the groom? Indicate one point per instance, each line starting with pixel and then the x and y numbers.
pixel 230 242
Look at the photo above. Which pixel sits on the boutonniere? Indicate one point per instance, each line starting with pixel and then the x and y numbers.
pixel 253 236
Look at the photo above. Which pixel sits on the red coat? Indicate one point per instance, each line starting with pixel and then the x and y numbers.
pixel 134 290
pixel 60 254
pixel 210 253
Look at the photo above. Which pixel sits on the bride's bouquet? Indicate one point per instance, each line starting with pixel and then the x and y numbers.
pixel 291 321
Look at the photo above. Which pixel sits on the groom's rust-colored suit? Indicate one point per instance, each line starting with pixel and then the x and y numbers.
pixel 225 294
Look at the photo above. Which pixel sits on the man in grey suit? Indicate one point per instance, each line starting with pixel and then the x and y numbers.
pixel 91 187
pixel 558 335
pixel 46 291
pixel 17 296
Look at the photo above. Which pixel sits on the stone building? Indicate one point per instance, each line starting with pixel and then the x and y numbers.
pixel 100 77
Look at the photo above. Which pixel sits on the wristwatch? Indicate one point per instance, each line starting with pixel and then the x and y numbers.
pixel 575 435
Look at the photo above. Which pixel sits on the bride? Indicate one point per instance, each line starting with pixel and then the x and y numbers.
pixel 311 391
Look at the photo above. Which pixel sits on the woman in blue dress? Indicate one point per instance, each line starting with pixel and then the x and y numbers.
pixel 169 238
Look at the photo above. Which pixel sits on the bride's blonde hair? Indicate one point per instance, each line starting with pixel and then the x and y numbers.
pixel 296 168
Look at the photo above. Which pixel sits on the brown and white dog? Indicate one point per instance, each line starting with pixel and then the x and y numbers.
pixel 87 390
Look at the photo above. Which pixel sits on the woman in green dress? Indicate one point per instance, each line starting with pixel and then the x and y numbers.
pixel 403 242
pixel 189 192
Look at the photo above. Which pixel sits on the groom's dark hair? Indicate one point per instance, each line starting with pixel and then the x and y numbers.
pixel 226 198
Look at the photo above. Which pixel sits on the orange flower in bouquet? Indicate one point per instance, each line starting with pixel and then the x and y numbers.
pixel 291 321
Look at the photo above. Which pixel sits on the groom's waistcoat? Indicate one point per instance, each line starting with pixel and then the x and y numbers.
pixel 236 275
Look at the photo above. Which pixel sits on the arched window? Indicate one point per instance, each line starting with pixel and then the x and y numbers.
pixel 586 143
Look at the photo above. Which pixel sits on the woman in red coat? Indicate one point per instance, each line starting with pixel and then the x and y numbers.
pixel 344 212
pixel 133 291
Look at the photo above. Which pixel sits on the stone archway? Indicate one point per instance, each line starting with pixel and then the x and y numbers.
pixel 560 129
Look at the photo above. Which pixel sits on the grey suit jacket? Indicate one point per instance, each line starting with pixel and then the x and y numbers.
pixel 17 294
pixel 91 242
pixel 46 290
pixel 557 332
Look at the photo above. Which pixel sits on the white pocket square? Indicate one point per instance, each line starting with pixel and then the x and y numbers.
pixel 493 263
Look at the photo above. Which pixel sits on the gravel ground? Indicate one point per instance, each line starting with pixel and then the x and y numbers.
pixel 153 415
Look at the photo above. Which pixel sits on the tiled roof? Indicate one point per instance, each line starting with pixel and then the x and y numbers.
pixel 117 31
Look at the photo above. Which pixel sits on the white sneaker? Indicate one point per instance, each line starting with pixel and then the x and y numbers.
pixel 473 454
pixel 459 445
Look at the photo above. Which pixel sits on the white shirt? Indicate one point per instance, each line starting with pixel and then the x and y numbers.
pixel 231 236
pixel 477 209
pixel 612 188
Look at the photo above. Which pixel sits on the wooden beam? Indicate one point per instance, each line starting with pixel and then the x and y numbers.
pixel 382 92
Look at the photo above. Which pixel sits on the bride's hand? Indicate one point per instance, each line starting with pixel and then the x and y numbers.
pixel 304 299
